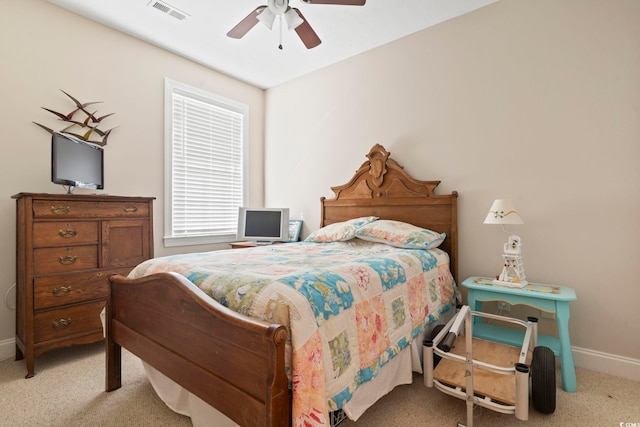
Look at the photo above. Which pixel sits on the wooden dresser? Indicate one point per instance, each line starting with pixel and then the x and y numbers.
pixel 67 245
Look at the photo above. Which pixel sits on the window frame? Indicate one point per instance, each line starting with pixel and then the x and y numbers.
pixel 172 87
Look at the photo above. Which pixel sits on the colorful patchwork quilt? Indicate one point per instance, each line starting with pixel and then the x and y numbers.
pixel 349 307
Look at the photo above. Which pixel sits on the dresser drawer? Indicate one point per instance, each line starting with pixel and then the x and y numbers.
pixel 58 233
pixel 65 259
pixel 68 321
pixel 52 291
pixel 74 209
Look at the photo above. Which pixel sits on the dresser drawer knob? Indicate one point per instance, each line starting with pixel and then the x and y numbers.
pixel 131 209
pixel 60 210
pixel 62 323
pixel 67 234
pixel 67 260
pixel 61 291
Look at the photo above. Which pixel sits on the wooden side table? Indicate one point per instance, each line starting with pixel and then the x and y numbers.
pixel 548 298
pixel 242 245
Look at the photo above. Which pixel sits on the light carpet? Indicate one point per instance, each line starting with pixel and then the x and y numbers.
pixel 68 390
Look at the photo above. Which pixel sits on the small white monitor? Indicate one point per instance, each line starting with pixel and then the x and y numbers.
pixel 263 225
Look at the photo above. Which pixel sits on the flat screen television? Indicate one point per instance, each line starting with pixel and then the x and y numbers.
pixel 75 163
pixel 263 225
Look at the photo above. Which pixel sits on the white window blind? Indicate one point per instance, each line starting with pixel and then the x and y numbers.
pixel 207 150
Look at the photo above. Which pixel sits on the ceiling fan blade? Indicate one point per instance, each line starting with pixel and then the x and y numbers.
pixel 246 24
pixel 340 2
pixel 306 33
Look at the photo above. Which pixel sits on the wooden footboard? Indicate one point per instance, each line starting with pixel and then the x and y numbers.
pixel 234 363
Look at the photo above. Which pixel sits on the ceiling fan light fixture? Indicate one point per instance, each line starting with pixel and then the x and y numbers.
pixel 292 16
pixel 293 19
pixel 267 17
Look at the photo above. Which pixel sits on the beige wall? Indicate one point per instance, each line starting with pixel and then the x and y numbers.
pixel 535 101
pixel 44 49
pixel 538 101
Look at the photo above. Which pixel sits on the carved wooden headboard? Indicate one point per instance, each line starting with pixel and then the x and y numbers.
pixel 381 187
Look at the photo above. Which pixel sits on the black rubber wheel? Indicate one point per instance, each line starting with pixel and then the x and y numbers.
pixel 543 380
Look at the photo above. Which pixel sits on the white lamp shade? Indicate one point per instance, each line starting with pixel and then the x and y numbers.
pixel 503 211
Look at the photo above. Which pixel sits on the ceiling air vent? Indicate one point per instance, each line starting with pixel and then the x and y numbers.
pixel 165 7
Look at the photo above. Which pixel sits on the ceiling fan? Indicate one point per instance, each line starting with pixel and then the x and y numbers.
pixel 292 16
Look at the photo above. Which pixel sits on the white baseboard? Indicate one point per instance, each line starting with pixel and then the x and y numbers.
pixel 7 348
pixel 611 364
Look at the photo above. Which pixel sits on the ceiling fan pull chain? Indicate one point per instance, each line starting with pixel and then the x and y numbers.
pixel 280 19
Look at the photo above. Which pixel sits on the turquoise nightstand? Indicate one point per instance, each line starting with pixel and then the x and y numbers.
pixel 552 299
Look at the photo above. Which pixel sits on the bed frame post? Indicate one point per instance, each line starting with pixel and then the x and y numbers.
pixel 113 356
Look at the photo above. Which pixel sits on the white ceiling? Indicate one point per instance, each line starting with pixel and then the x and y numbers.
pixel 345 31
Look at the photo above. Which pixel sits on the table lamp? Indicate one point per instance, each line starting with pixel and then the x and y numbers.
pixel 512 275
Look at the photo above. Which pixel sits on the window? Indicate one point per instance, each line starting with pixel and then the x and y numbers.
pixel 205 157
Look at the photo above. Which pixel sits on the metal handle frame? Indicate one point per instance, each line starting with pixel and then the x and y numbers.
pixel 520 369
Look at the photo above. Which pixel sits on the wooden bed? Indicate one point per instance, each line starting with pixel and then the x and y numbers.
pixel 206 348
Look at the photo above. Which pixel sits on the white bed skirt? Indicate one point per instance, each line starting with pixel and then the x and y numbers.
pixel 397 372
